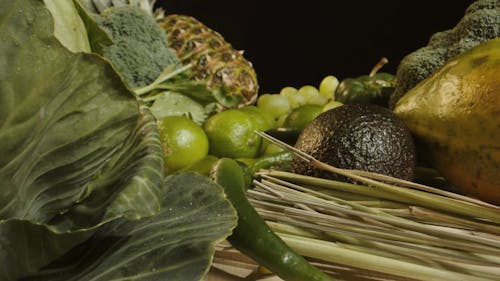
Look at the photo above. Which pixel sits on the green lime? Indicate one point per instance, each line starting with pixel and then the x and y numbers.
pixel 231 133
pixel 301 116
pixel 183 141
pixel 264 120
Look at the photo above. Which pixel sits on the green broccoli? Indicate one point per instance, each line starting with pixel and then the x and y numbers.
pixel 480 23
pixel 140 50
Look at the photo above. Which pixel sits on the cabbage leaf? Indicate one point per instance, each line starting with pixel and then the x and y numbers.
pixel 82 192
pixel 176 244
pixel 68 26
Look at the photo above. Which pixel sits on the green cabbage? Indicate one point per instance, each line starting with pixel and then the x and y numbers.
pixel 68 26
pixel 82 194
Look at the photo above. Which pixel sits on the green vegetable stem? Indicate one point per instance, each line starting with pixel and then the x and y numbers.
pixel 253 237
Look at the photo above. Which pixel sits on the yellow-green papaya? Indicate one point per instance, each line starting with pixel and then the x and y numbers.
pixel 454 116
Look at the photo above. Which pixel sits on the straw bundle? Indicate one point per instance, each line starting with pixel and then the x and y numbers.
pixel 382 228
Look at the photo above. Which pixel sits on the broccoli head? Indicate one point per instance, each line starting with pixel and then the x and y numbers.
pixel 140 50
pixel 480 23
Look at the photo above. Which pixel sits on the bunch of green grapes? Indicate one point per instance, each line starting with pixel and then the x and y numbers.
pixel 292 106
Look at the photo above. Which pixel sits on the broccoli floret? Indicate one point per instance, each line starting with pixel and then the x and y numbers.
pixel 140 50
pixel 480 23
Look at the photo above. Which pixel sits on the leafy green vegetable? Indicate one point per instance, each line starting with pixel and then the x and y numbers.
pixel 81 168
pixel 88 5
pixel 174 104
pixel 26 246
pixel 68 26
pixel 46 93
pixel 176 244
pixel 98 38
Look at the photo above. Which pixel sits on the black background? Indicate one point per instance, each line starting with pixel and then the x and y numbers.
pixel 294 43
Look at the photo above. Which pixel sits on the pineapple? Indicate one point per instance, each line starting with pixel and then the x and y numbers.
pixel 214 60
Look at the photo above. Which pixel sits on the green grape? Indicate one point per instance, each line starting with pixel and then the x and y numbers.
pixel 297 100
pixel 308 91
pixel 293 97
pixel 300 117
pixel 274 105
pixel 328 86
pixel 318 100
pixel 288 91
pixel 281 120
pixel 311 95
pixel 331 104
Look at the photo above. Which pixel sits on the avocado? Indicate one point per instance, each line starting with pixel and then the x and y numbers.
pixel 357 136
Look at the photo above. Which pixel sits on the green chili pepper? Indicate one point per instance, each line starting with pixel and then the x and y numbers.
pixel 374 88
pixel 250 166
pixel 279 159
pixel 253 237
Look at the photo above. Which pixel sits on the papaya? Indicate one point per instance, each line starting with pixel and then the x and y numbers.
pixel 454 116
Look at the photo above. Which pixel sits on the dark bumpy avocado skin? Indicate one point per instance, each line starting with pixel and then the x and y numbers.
pixel 358 136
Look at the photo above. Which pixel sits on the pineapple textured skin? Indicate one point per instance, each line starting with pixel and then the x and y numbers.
pixel 213 60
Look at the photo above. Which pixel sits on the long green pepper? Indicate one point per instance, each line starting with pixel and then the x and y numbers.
pixel 253 237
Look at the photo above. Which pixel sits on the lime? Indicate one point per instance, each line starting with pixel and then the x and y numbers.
pixel 264 122
pixel 231 133
pixel 301 116
pixel 183 142
pixel 263 119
